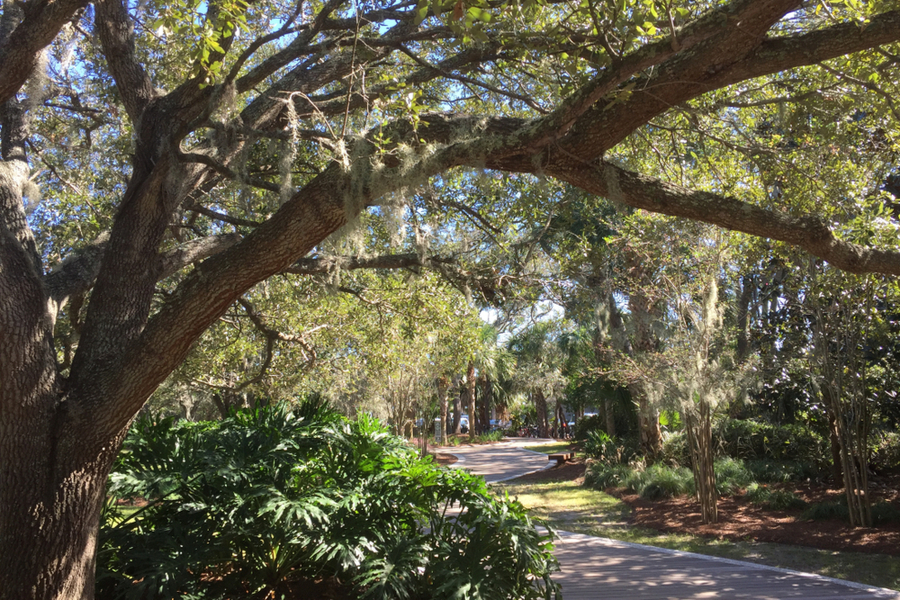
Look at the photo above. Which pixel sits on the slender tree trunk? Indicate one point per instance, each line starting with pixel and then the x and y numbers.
pixel 443 387
pixel 457 410
pixel 645 343
pixel 560 418
pixel 470 399
pixel 540 405
pixel 486 398
pixel 743 318
pixel 699 432
pixel 648 421
pixel 610 414
pixel 837 471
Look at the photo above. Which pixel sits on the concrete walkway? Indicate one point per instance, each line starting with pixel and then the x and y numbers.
pixel 595 568
pixel 502 461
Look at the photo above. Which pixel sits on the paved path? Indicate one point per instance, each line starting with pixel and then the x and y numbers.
pixel 595 568
pixel 499 462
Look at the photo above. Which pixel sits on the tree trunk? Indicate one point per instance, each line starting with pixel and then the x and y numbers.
pixel 457 411
pixel 747 286
pixel 610 414
pixel 643 315
pixel 485 404
pixel 699 433
pixel 443 387
pixel 648 422
pixel 540 406
pixel 837 472
pixel 50 523
pixel 560 419
pixel 470 399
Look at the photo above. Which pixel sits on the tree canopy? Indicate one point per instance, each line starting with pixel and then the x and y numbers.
pixel 159 160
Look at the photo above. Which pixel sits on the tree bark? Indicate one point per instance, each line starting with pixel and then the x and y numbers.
pixel 644 343
pixel 486 400
pixel 443 387
pixel 699 433
pixel 540 406
pixel 470 399
pixel 745 295
pixel 457 411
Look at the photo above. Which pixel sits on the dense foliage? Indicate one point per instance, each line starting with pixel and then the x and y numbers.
pixel 273 499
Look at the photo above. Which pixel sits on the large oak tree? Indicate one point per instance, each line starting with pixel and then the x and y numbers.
pixel 227 140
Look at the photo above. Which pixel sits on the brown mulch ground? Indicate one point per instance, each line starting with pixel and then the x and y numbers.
pixel 741 520
pixel 444 459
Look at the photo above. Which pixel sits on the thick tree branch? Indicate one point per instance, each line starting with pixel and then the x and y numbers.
pixel 116 33
pixel 343 189
pixel 77 273
pixel 297 48
pixel 321 265
pixel 194 251
pixel 217 216
pixel 743 20
pixel 716 65
pixel 19 52
pixel 808 232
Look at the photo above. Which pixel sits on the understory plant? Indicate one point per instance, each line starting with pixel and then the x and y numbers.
pixel 653 482
pixel 607 449
pixel 274 498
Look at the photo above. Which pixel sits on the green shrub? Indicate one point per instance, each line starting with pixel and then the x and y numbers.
pixel 585 425
pixel 675 449
pixel 604 448
pixel 660 481
pixel 491 436
pixel 826 510
pixel 748 439
pixel 773 499
pixel 884 513
pixel 653 483
pixel 775 471
pixel 271 497
pixel 601 476
pixel 885 455
pixel 731 476
pixel 666 482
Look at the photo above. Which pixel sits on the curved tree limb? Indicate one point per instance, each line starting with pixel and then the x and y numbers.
pixel 322 265
pixel 19 52
pixel 684 77
pixel 76 274
pixel 116 32
pixel 806 231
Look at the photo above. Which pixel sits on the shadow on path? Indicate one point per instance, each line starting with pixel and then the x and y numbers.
pixel 595 568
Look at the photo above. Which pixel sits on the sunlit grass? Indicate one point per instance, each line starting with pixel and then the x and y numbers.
pixel 571 507
pixel 553 448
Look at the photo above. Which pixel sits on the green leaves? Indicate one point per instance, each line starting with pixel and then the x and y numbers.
pixel 207 27
pixel 276 495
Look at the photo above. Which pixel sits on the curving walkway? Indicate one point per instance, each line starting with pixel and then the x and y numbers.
pixel 595 568
pixel 503 461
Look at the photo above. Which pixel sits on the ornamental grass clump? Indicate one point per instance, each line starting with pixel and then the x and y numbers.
pixel 278 499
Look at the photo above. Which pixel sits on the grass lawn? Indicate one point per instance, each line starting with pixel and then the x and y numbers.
pixel 570 507
pixel 553 448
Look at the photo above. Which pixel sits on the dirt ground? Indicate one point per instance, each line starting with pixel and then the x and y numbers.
pixel 444 459
pixel 741 520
